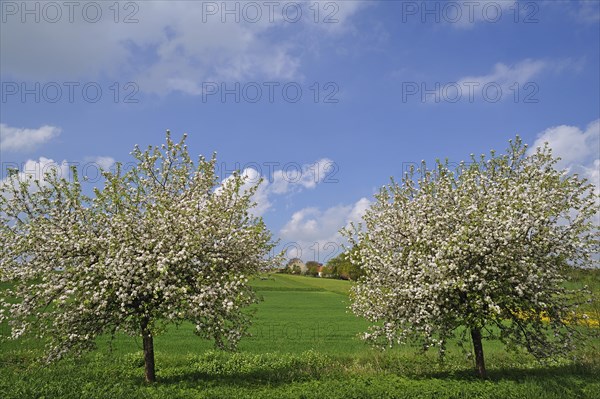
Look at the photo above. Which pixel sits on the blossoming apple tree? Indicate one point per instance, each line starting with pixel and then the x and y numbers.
pixel 160 243
pixel 481 250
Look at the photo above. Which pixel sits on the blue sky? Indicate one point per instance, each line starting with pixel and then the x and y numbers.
pixel 351 92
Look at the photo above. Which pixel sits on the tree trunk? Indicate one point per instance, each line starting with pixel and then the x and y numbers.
pixel 148 352
pixel 478 348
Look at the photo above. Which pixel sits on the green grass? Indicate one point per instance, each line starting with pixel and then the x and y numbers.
pixel 287 282
pixel 304 344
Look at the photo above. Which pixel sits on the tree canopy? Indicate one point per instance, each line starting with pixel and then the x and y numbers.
pixel 485 246
pixel 160 243
pixel 343 268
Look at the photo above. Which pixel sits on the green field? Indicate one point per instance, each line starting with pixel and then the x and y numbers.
pixel 304 345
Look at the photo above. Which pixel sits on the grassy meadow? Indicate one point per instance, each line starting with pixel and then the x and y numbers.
pixel 304 344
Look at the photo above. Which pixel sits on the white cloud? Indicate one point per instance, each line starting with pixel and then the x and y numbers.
pixel 102 162
pixel 313 234
pixel 36 170
pixel 23 139
pixel 579 149
pixel 503 82
pixel 92 167
pixel 573 145
pixel 502 76
pixel 261 196
pixel 173 46
pixel 251 178
pixel 588 12
pixel 592 172
pixel 292 179
pixel 297 177
pixel 334 17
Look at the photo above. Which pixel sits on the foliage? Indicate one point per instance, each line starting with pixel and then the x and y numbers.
pixel 282 363
pixel 486 247
pixel 272 366
pixel 295 266
pixel 160 243
pixel 343 268
pixel 312 268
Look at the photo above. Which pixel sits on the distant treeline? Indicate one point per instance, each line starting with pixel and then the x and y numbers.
pixel 339 267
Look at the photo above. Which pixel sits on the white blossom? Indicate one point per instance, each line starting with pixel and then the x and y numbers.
pixel 154 245
pixel 483 247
